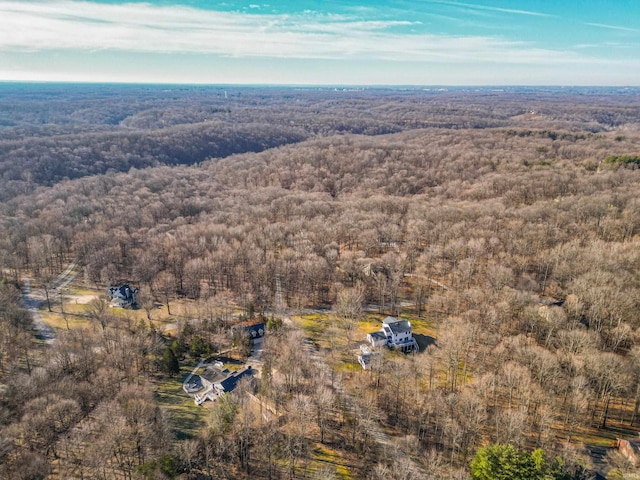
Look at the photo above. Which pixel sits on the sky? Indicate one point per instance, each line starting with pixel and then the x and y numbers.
pixel 310 42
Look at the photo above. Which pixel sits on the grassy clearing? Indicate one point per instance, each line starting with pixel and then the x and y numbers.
pixel 347 362
pixel 232 367
pixel 57 321
pixel 370 323
pixel 90 292
pixel 134 315
pixel 324 456
pixel 314 325
pixel 421 326
pixel 186 418
pixel 595 437
pixel 182 309
pixel 68 307
pixel 323 330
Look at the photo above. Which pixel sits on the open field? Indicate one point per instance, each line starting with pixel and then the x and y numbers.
pixel 185 417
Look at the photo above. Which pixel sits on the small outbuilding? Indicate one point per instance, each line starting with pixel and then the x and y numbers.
pixel 366 357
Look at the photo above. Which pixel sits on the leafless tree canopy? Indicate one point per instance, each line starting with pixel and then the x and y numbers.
pixel 494 217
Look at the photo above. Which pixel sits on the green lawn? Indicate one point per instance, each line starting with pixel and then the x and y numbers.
pixel 186 418
pixel 56 320
pixel 324 456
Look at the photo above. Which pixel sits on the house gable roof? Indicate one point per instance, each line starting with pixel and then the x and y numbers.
pixel 229 383
pixel 123 292
pixel 256 330
pixel 214 375
pixel 397 326
pixel 633 443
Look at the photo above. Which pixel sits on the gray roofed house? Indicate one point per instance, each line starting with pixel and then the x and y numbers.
pixel 256 332
pixel 397 334
pixel 212 375
pixel 377 339
pixel 122 296
pixel 217 381
pixel 397 327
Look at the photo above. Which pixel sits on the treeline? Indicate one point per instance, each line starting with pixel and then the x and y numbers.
pixel 623 160
pixel 52 132
pixel 48 161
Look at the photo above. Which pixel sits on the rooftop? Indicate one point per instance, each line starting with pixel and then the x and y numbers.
pixel 398 326
pixel 230 382
pixel 255 330
pixel 214 375
pixel 378 336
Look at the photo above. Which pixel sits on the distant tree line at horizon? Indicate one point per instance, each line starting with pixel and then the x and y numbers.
pixel 51 133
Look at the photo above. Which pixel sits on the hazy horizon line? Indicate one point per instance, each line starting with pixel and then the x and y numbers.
pixel 316 85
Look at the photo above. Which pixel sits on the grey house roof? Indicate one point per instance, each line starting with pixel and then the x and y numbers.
pixel 229 383
pixel 378 336
pixel 214 375
pixel 397 326
pixel 255 331
pixel 124 291
pixel 224 379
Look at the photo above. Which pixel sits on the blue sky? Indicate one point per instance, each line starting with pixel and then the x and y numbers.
pixel 428 42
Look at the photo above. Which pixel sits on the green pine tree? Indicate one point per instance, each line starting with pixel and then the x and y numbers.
pixel 170 364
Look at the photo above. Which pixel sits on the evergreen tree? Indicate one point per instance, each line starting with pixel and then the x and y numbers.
pixel 505 462
pixel 170 363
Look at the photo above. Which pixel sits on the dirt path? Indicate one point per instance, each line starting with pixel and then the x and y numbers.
pixel 33 299
pixel 32 302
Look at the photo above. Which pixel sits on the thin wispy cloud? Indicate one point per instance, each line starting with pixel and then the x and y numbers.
pixel 433 41
pixel 488 8
pixel 86 26
pixel 613 27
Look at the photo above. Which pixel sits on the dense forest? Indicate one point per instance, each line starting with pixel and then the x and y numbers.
pixel 505 224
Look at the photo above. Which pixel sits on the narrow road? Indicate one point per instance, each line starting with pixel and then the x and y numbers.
pixel 33 299
pixel 428 279
pixel 64 278
pixel 32 302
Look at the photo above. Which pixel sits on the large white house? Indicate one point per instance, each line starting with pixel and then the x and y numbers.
pixel 394 334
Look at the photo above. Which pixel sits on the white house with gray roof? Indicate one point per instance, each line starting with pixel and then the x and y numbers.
pixel 394 334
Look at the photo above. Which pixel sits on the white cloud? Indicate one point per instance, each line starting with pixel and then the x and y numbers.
pixel 80 25
pixel 493 9
pixel 613 27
